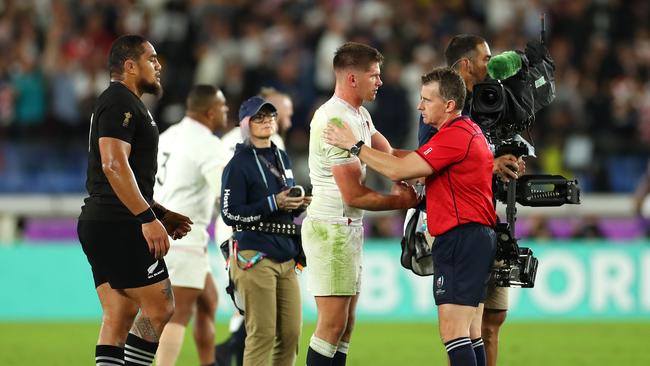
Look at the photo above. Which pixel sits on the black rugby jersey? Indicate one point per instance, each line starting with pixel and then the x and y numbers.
pixel 120 114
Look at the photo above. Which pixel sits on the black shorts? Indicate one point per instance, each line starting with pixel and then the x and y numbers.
pixel 462 261
pixel 119 254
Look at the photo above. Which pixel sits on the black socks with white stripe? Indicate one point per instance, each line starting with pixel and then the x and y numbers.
pixel 139 352
pixel 460 352
pixel 106 355
pixel 479 351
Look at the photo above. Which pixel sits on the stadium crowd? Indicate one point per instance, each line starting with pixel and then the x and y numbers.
pixel 54 52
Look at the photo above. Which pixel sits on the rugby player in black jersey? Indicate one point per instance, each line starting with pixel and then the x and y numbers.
pixel 122 231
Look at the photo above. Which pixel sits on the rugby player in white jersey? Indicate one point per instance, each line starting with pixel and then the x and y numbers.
pixel 191 159
pixel 332 233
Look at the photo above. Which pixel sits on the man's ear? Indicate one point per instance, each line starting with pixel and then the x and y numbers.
pixel 129 66
pixel 352 79
pixel 450 106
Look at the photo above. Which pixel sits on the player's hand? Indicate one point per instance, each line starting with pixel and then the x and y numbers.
pixel 407 195
pixel 177 225
pixel 156 236
pixel 340 135
pixel 508 167
pixel 286 203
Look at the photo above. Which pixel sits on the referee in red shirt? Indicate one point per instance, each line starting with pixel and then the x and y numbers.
pixel 457 163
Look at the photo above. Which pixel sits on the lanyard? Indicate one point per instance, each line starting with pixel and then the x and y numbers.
pixel 272 168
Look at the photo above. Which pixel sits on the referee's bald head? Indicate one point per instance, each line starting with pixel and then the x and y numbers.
pixel 201 98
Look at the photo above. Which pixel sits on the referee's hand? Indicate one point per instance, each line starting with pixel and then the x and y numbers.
pixel 156 235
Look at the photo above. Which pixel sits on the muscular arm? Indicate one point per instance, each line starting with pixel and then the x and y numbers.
pixel 356 194
pixel 115 165
pixel 408 167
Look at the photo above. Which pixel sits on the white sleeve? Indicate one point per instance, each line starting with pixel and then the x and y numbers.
pixel 212 162
pixel 213 178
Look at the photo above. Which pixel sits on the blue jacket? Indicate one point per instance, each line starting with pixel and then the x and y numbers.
pixel 248 189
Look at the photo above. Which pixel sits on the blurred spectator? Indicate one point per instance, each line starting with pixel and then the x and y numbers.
pixel 588 228
pixel 598 128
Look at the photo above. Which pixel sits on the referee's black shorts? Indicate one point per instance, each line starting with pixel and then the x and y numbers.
pixel 462 261
pixel 119 254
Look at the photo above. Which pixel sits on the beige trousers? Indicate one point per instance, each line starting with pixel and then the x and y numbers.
pixel 273 313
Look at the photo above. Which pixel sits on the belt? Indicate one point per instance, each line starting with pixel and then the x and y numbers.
pixel 271 228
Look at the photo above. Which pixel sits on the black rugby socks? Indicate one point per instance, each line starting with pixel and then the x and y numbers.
pixel 341 354
pixel 109 355
pixel 138 352
pixel 460 352
pixel 479 351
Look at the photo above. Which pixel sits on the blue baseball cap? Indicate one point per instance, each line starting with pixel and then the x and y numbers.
pixel 252 105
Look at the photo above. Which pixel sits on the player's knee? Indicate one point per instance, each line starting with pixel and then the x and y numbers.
pixel 348 328
pixel 335 327
pixel 118 323
pixel 161 313
pixel 207 308
pixel 120 317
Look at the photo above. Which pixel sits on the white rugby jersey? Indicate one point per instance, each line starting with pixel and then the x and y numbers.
pixel 327 203
pixel 190 163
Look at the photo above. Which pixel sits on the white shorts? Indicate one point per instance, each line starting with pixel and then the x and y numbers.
pixel 188 266
pixel 334 253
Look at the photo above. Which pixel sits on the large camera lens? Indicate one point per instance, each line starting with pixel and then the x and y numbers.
pixel 489 97
pixel 488 104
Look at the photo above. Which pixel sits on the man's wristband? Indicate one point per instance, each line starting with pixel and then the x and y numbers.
pixel 159 211
pixel 146 216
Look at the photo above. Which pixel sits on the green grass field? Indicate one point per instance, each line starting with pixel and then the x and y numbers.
pixel 522 343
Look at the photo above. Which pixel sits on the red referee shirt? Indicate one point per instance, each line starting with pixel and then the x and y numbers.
pixel 460 189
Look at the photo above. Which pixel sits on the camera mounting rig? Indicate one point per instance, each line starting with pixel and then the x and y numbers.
pixel 517 265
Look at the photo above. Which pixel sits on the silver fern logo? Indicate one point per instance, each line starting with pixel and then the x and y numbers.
pixel 152 268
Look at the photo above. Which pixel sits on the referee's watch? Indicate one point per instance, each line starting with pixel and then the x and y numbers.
pixel 356 148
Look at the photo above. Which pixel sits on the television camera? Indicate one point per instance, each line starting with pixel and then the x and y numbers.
pixel 520 84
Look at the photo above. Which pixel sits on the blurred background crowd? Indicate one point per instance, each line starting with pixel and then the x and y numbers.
pixel 54 53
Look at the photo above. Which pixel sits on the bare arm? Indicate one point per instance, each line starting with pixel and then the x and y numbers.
pixel 408 166
pixel 115 165
pixel 394 168
pixel 356 194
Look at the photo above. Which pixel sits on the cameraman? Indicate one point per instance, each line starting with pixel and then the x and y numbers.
pixel 469 55
pixel 457 164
